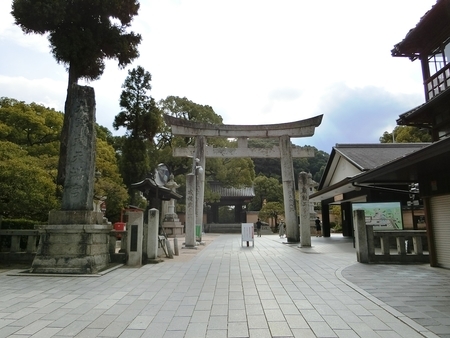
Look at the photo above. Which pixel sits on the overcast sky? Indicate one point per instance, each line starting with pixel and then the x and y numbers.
pixel 253 61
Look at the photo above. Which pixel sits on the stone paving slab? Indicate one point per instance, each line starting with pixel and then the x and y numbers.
pixel 418 293
pixel 226 290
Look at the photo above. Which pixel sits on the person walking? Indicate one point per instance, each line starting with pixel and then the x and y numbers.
pixel 318 227
pixel 258 228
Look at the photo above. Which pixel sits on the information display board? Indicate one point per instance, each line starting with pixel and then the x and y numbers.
pixel 382 215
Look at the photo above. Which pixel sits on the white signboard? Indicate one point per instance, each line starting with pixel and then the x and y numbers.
pixel 247 233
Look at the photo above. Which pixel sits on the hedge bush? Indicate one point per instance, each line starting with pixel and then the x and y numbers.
pixel 18 224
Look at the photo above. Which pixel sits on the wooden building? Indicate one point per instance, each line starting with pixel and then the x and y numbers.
pixel 428 44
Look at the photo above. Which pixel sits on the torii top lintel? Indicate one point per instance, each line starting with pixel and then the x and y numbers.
pixel 301 128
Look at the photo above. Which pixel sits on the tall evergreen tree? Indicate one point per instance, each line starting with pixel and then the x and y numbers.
pixel 142 120
pixel 139 115
pixel 82 34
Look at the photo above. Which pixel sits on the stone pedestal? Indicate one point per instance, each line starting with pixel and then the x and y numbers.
pixel 72 249
pixel 172 225
pixel 135 234
pixel 173 228
pixel 74 217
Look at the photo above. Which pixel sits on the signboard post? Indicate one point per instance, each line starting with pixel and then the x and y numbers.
pixel 247 234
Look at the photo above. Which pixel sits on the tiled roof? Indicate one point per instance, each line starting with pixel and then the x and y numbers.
pixel 428 33
pixel 232 192
pixel 369 156
pixel 423 115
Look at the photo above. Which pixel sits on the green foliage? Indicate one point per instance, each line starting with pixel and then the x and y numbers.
pixel 336 227
pixel 104 134
pixel 237 172
pixel 336 211
pixel 184 109
pixel 29 150
pixel 82 33
pixel 142 119
pixel 110 183
pixel 32 126
pixel 271 167
pixel 134 163
pixel 140 115
pixel 18 224
pixel 315 165
pixel 271 210
pixel 267 190
pixel 26 190
pixel 406 134
pixel 28 155
pixel 226 214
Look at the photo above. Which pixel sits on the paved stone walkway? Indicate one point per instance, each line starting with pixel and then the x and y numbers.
pixel 418 292
pixel 226 290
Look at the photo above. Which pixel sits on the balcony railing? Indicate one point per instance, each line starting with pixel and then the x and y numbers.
pixel 438 83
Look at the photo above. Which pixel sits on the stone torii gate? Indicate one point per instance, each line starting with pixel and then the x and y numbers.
pixel 282 131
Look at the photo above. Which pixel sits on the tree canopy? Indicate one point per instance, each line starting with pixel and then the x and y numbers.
pixel 32 126
pixel 29 149
pixel 267 189
pixel 271 167
pixel 143 120
pixel 82 34
pixel 406 134
pixel 139 115
pixel 26 189
pixel 235 172
pixel 271 210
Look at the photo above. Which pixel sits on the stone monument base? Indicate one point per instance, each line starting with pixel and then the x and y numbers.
pixel 72 249
pixel 75 217
pixel 173 228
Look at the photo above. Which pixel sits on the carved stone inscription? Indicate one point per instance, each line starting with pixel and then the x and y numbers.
pixel 80 167
pixel 134 237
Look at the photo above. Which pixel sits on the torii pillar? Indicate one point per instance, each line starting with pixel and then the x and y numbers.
pixel 282 131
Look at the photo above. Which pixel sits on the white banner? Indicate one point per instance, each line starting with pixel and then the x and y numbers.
pixel 247 233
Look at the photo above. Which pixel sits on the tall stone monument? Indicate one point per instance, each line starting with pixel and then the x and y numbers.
pixel 305 217
pixel 75 240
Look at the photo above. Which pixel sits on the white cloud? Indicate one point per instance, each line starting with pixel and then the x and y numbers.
pixel 45 91
pixel 254 62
